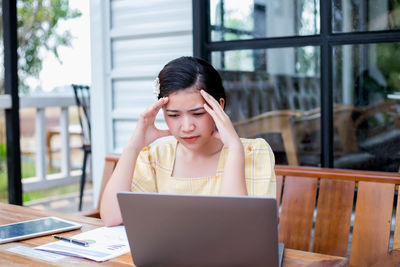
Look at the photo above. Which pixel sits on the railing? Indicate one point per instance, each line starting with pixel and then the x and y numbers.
pixel 42 180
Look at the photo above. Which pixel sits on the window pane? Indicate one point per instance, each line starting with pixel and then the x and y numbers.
pixel 367 106
pixel 365 15
pixel 275 94
pixel 249 19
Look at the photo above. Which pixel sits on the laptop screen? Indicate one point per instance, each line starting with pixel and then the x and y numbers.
pixel 196 230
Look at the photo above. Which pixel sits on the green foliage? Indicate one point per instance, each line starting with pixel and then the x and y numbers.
pixel 52 192
pixel 388 55
pixel 28 169
pixel 3 186
pixel 3 173
pixel 37 35
pixel 394 15
pixel 3 157
pixel 3 152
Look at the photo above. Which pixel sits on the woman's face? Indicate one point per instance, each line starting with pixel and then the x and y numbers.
pixel 187 119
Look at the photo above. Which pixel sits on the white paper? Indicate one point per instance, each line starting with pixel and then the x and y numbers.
pixel 41 255
pixel 104 243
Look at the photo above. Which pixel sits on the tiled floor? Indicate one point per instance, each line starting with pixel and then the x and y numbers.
pixel 66 204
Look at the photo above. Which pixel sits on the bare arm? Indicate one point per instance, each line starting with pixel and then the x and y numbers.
pixel 119 181
pixel 145 133
pixel 233 180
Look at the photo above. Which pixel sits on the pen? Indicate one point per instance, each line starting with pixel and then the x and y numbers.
pixel 71 240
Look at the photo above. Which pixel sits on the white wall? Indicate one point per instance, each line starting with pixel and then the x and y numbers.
pixel 130 41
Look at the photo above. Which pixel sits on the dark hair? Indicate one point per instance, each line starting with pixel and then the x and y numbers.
pixel 185 72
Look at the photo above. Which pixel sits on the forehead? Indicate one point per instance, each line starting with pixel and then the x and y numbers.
pixel 185 100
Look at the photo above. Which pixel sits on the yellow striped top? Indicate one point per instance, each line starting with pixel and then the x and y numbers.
pixel 155 164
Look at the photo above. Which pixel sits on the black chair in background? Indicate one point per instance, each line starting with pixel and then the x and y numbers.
pixel 82 98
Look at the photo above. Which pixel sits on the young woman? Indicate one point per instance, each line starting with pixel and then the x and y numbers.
pixel 206 156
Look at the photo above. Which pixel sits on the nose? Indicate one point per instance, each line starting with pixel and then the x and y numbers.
pixel 187 124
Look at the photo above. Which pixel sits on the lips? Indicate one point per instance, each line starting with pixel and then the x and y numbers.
pixel 190 139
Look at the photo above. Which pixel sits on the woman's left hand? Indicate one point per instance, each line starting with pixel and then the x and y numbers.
pixel 226 132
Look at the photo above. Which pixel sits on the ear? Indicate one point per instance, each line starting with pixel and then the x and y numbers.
pixel 222 103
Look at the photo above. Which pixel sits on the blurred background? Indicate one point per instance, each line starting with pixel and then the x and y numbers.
pixel 319 80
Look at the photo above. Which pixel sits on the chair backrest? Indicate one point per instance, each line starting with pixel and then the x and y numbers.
pixel 82 98
pixel 336 195
pixel 279 121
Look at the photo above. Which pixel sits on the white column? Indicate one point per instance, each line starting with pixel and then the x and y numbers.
pixel 65 147
pixel 347 57
pixel 100 61
pixel 40 134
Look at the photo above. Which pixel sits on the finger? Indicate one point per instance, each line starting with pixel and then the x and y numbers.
pixel 209 99
pixel 210 111
pixel 159 104
pixel 155 108
pixel 213 103
pixel 217 115
pixel 218 121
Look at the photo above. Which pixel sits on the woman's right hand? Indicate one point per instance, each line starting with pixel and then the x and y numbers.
pixel 146 132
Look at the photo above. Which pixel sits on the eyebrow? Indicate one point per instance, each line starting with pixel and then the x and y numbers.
pixel 190 110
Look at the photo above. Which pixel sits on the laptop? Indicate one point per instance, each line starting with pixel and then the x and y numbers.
pixel 196 230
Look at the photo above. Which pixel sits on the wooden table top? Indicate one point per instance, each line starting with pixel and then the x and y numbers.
pixel 11 213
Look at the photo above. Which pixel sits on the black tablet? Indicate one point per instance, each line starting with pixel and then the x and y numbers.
pixel 33 228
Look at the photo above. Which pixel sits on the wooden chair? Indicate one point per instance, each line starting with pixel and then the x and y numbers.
pixel 73 130
pixel 82 98
pixel 280 121
pixel 387 106
pixel 310 121
pixel 379 145
pixel 293 125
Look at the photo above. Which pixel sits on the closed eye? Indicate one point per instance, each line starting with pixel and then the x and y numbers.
pixel 198 114
pixel 172 115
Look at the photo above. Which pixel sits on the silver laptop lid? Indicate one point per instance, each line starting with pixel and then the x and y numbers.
pixel 194 230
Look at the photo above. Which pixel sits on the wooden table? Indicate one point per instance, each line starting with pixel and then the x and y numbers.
pixel 11 213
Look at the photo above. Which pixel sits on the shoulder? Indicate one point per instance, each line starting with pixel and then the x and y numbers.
pixel 258 148
pixel 160 152
pixel 255 144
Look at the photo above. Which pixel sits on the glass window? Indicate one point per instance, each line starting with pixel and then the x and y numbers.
pixel 365 15
pixel 275 94
pixel 367 106
pixel 250 19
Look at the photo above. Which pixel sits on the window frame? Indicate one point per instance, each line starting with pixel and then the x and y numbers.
pixel 326 40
